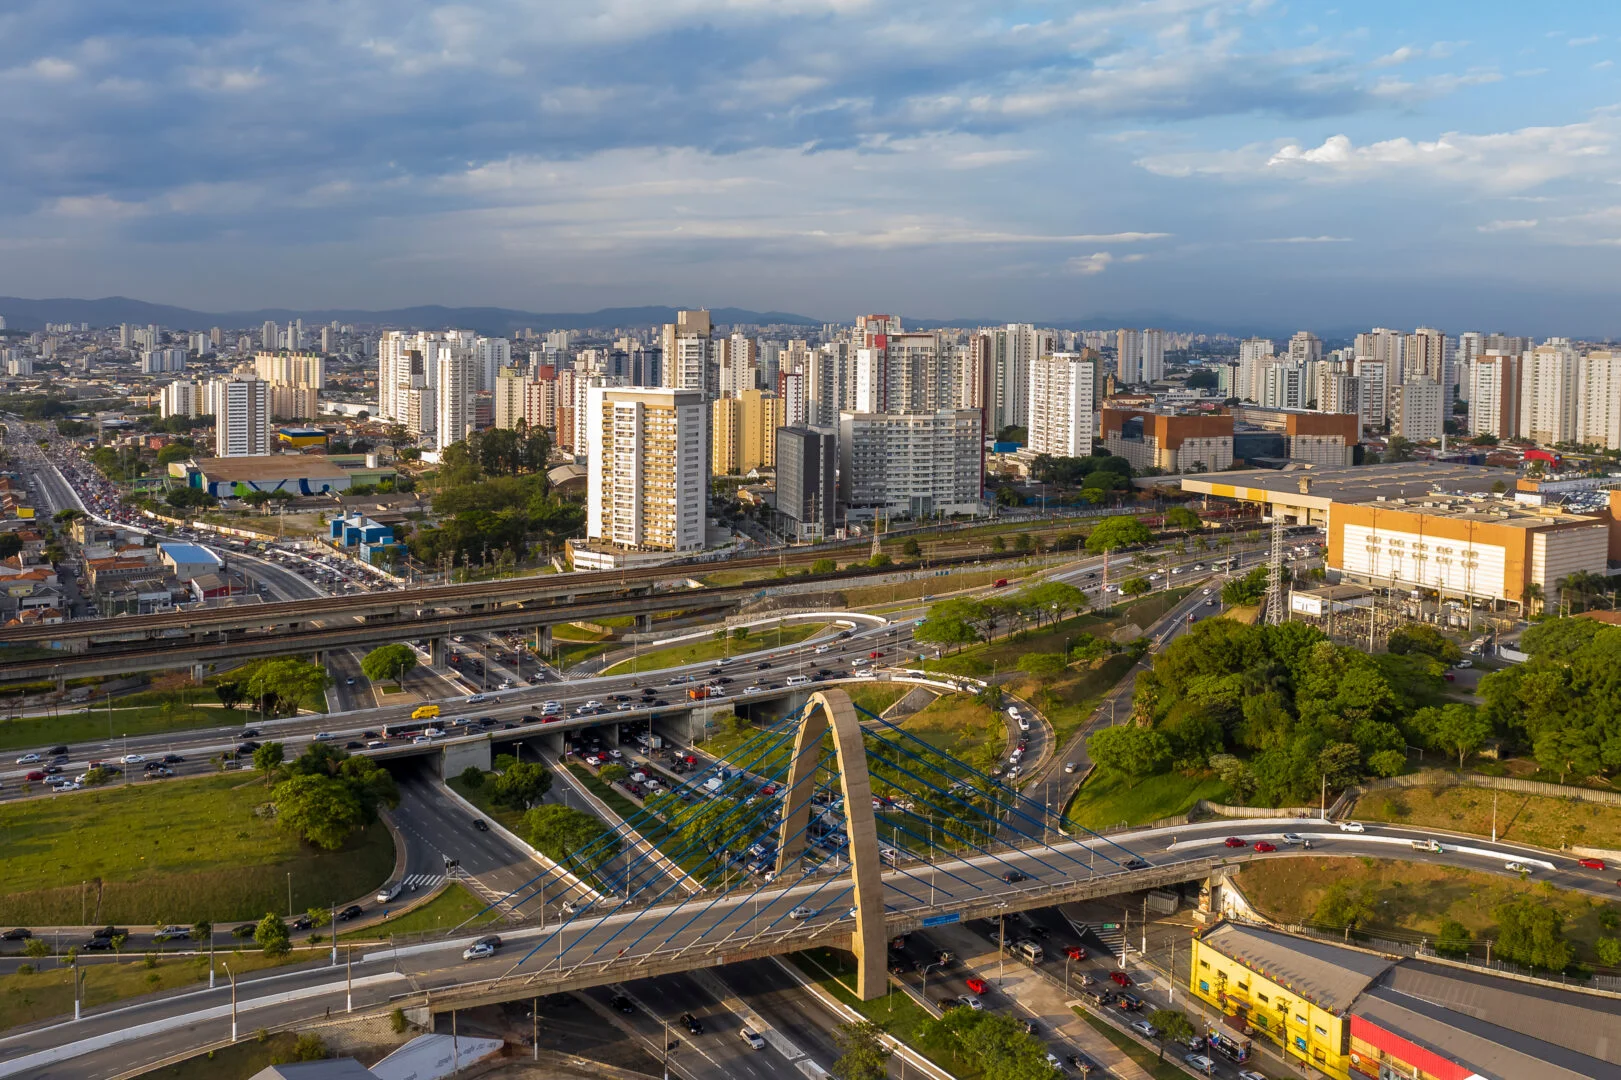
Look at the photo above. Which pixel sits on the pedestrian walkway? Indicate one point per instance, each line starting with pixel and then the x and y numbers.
pixel 422 881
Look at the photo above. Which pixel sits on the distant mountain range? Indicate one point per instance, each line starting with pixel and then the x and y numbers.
pixel 22 314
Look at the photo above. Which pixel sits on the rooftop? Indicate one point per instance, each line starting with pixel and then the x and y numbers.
pixel 189 553
pixel 1327 975
pixel 269 467
pixel 1318 485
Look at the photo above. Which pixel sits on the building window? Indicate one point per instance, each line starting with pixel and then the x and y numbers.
pixel 1262 998
pixel 1300 1043
pixel 1205 964
pixel 1321 1033
pixel 1317 1056
pixel 1204 987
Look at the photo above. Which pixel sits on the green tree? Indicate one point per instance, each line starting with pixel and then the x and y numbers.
pixel 998 544
pixel 1180 517
pixel 1397 449
pixel 1134 586
pixel 320 809
pixel 1245 590
pixel 911 549
pixel 1532 933
pixel 1345 906
pixel 1456 729
pixel 37 949
pixel 389 663
pixel 823 566
pixel 189 498
pixel 201 931
pixel 951 622
pixel 267 759
pixel 1387 763
pixel 570 837
pixel 229 693
pixel 1608 949
pixel 1453 939
pixel 1340 763
pixel 880 560
pixel 271 935
pixel 862 1054
pixel 1133 752
pixel 472 777
pixel 612 774
pixel 1114 533
pixel 521 785
pixel 1426 640
pixel 284 683
pixel 1173 1025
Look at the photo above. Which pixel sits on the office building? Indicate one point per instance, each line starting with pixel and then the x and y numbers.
pixel 1061 410
pixel 743 432
pixel 910 464
pixel 647 483
pixel 1418 410
pixel 1548 393
pixel 689 354
pixel 807 472
pixel 1321 438
pixel 242 417
pixel 180 398
pixel 1170 442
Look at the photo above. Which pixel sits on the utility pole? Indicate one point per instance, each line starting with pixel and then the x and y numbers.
pixel 349 978
pixel 534 1029
pixel 233 1000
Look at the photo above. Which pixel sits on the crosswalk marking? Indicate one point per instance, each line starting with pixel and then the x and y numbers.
pixel 506 906
pixel 423 881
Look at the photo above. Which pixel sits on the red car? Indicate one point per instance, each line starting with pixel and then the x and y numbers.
pixel 1233 841
pixel 1262 845
pixel 1075 952
pixel 35 775
pixel 1121 978
pixel 1593 864
pixel 875 654
pixel 977 986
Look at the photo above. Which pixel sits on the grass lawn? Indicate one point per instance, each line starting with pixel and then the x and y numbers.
pixel 1067 701
pixel 171 851
pixel 1105 801
pixel 865 596
pixel 27 999
pixel 958 725
pixel 450 909
pixel 1526 819
pixel 480 797
pixel 693 652
pixel 895 1012
pixel 877 696
pixel 1411 899
pixel 238 1062
pixel 570 632
pixel 1148 1059
pixel 567 654
pixel 141 718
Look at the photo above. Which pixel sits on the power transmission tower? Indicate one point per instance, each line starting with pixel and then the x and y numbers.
pixel 1274 573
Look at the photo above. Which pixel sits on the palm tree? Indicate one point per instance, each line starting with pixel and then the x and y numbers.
pixel 1532 597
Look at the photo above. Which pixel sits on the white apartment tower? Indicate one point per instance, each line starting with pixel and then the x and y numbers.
pixel 242 419
pixel 1013 349
pixel 494 353
pixel 1494 394
pixel 647 479
pixel 689 353
pixel 1599 414
pixel 1418 409
pixel 456 393
pixel 1548 393
pixel 180 398
pixel 1062 412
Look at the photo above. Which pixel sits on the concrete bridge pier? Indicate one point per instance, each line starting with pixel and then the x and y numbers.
pixel 552 744
pixel 436 653
pixel 644 623
pixel 543 641
pixel 199 672
pixel 458 756
pixel 61 683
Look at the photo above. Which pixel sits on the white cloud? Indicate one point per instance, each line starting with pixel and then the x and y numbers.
pixel 1503 225
pixel 1591 39
pixel 1305 240
pixel 1087 265
pixel 95 206
pixel 52 67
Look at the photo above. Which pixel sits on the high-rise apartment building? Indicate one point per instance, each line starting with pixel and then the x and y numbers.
pixel 1010 351
pixel 494 353
pixel 689 353
pixel 1373 379
pixel 1252 353
pixel 510 399
pixel 1599 412
pixel 1418 410
pixel 807 471
pixel 795 407
pixel 269 337
pixel 647 482
pixel 291 369
pixel 1283 384
pixel 455 393
pixel 1128 355
pixel 242 417
pixel 158 361
pixel 180 398
pixel 1062 410
pixel 913 464
pixel 1494 394
pixel 1305 347
pixel 1548 393
pixel 903 373
pixel 743 432
pixel 737 363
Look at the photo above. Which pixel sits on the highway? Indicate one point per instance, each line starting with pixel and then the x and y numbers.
pixel 586 952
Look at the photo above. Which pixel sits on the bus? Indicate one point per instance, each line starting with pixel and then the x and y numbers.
pixel 405 729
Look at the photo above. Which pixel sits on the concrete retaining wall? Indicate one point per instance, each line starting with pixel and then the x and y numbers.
pixel 458 756
pixel 1445 778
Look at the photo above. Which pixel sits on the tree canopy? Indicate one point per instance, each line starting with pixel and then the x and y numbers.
pixel 389 663
pixel 329 795
pixel 1113 533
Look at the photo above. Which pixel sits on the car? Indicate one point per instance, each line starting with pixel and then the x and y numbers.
pixel 1081 1062
pixel 1264 846
pixel 353 911
pixel 492 940
pixel 173 759
pixel 249 733
pixel 576 907
pixel 110 932
pixel 802 912
pixel 972 1002
pixel 1293 838
pixel 1120 978
pixel 1135 864
pixel 29 759
pixel 324 736
pixel 1592 864
pixel 172 933
pixel 481 825
pixel 753 1041
pixel 59 750
pixel 477 952
pixel 1069 766
pixel 1199 1063
pixel 622 1003
pixel 1250 1074
pixel 1127 1001
pixel 97 944
pixel 1516 867
pixel 1353 827
pixel 1013 877
pixel 1234 842
pixel 35 776
pixel 386 896
pixel 976 985
pixel 1464 663
pixel 17 934
pixel 1075 952
pixel 692 1024
pixel 1145 1029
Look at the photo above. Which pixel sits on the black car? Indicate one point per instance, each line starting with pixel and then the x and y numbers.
pixel 57 750
pixel 353 911
pixel 52 769
pixel 249 733
pixel 763 665
pixel 1030 1027
pixel 370 735
pixel 530 718
pixel 354 744
pixel 1129 1002
pixel 19 934
pixel 900 966
pixel 302 922
pixel 97 944
pixel 245 931
pixel 622 1003
pixel 173 759
pixel 152 766
pixel 492 940
pixel 248 747
pixel 481 825
pixel 1013 877
pixel 1136 864
pixel 110 932
pixel 1081 1063
pixel 693 1025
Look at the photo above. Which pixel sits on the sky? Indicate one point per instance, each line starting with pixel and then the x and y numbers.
pixel 1234 163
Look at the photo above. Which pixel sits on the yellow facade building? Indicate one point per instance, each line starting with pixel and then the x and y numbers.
pixel 1295 992
pixel 743 432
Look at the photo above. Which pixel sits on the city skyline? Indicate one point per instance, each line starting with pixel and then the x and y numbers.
pixel 1181 163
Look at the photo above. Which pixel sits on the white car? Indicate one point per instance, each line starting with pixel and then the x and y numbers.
pixel 474 699
pixel 823 648
pixel 433 732
pixel 29 759
pixel 972 1002
pixel 592 704
pixel 751 689
pixel 1145 1029
pixel 1069 766
pixel 1517 868
pixel 478 951
pixel 132 759
pixel 1464 663
pixel 754 1041
pixel 802 913
pixel 1352 826
pixel 1293 838
pixel 324 736
pixel 1199 1063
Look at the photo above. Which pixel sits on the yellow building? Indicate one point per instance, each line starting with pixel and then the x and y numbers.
pixel 743 432
pixel 1296 992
